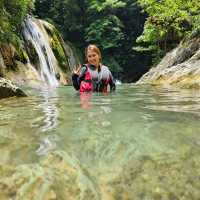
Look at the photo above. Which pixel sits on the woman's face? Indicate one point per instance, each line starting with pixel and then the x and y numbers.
pixel 93 58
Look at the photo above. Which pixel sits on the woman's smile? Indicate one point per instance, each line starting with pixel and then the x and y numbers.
pixel 93 58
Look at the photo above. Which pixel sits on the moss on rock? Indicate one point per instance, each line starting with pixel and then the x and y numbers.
pixel 59 52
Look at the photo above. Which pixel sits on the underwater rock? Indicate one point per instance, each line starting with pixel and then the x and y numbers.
pixel 57 176
pixel 161 177
pixel 8 89
pixel 60 176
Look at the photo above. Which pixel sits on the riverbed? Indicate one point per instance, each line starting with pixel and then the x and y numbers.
pixel 140 142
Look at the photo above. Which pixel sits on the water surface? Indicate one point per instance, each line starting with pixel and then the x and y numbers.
pixel 136 143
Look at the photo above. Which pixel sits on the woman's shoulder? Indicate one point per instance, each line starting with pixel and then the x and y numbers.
pixel 104 67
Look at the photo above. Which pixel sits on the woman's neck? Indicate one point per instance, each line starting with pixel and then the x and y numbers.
pixel 96 66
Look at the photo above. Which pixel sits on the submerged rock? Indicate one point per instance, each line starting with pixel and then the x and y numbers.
pixel 58 176
pixel 180 67
pixel 159 177
pixel 8 89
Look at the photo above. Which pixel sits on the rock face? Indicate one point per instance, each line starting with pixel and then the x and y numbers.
pixel 63 51
pixel 8 89
pixel 180 67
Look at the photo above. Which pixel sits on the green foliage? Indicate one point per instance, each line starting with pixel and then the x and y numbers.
pixel 66 15
pixel 106 32
pixel 58 50
pixel 196 27
pixel 168 22
pixel 107 6
pixel 105 28
pixel 113 65
pixel 12 13
pixel 17 10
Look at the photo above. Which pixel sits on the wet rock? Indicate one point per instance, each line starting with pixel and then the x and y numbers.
pixel 180 67
pixel 160 177
pixel 8 89
pixel 2 65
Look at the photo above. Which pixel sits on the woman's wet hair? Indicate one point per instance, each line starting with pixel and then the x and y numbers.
pixel 94 48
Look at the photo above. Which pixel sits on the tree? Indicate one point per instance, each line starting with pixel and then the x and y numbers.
pixel 12 13
pixel 168 22
pixel 105 28
pixel 113 25
pixel 66 15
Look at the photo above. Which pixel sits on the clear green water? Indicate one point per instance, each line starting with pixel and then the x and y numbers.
pixel 136 143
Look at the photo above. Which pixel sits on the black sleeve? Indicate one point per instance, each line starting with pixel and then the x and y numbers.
pixel 76 79
pixel 112 83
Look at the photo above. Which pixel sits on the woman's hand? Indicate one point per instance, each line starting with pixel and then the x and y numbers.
pixel 77 69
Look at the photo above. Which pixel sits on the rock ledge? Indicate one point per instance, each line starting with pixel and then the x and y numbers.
pixel 8 89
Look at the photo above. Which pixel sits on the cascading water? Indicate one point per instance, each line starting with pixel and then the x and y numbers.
pixel 37 35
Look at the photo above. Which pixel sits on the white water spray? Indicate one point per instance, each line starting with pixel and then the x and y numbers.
pixel 35 33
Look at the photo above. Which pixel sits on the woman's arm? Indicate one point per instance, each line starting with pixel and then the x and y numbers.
pixel 112 82
pixel 78 76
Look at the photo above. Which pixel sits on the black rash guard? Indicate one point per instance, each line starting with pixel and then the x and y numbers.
pixel 100 77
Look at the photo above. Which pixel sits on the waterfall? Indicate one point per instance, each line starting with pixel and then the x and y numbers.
pixel 35 33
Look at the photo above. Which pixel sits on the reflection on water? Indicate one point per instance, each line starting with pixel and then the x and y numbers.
pixel 136 143
pixel 85 100
pixel 177 101
pixel 48 107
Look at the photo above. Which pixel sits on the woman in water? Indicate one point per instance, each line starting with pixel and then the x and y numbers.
pixel 93 76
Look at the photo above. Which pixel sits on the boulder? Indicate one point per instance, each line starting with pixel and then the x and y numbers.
pixel 8 89
pixel 180 67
